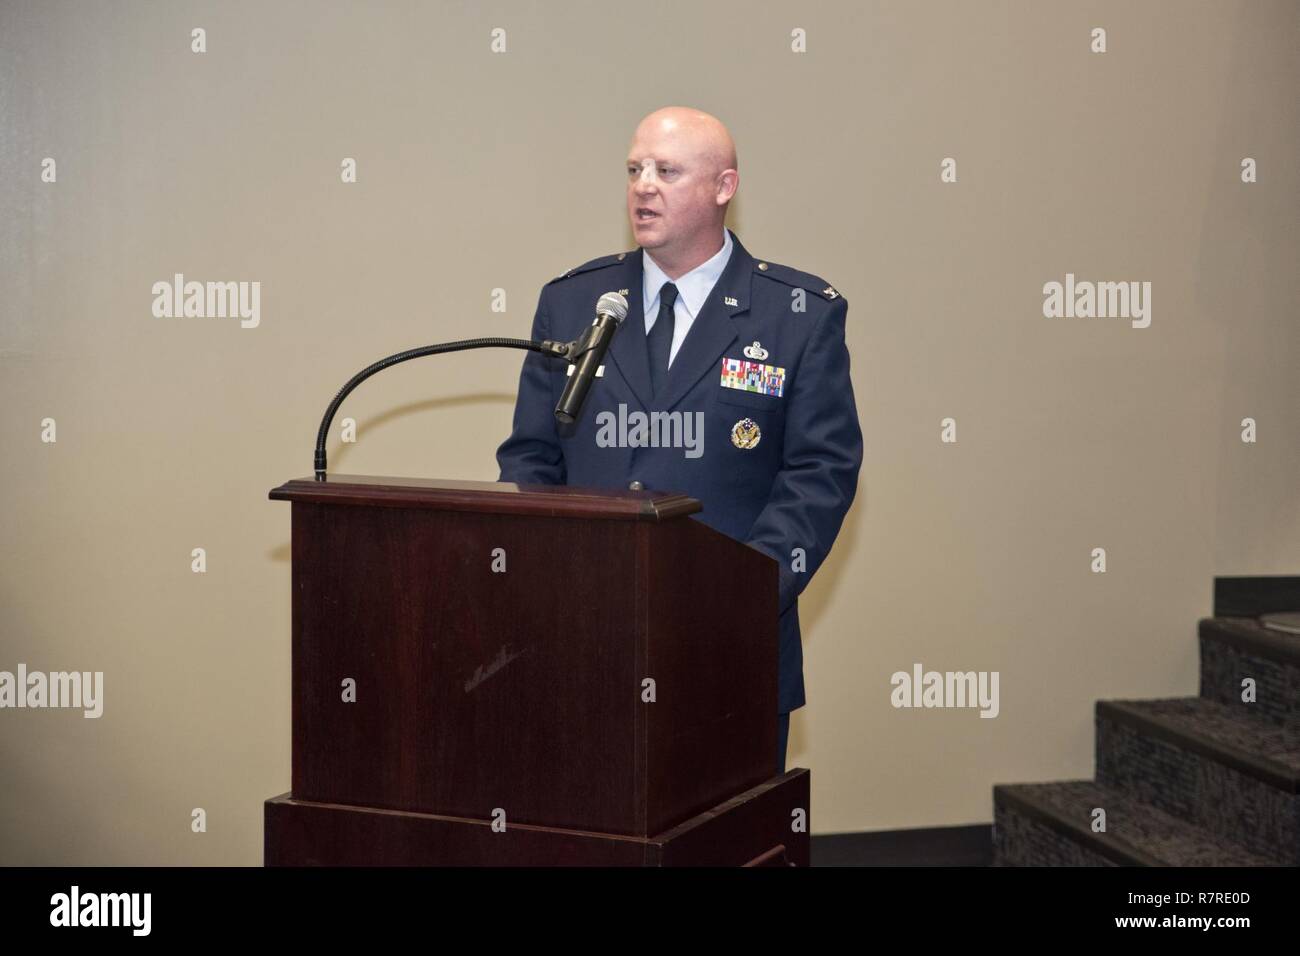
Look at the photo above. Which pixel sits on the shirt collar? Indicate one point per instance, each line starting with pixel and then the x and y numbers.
pixel 692 288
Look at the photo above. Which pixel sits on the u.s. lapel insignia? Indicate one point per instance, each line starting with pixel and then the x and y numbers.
pixel 830 292
pixel 729 300
pixel 745 433
pixel 755 351
pixel 622 291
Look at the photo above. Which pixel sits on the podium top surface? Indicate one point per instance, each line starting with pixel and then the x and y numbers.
pixel 488 496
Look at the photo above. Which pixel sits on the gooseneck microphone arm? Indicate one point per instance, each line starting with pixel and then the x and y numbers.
pixel 546 348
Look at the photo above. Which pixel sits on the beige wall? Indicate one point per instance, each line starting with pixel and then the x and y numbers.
pixel 480 171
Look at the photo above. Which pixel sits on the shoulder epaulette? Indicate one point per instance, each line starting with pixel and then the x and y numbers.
pixel 602 262
pixel 793 277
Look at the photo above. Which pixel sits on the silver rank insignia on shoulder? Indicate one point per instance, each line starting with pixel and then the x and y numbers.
pixel 729 300
pixel 755 351
pixel 745 433
pixel 830 292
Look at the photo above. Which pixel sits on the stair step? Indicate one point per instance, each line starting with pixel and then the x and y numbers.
pixel 1233 648
pixel 1214 764
pixel 1050 824
pixel 1224 733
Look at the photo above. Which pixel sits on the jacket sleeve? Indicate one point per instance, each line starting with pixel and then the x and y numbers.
pixel 532 454
pixel 821 458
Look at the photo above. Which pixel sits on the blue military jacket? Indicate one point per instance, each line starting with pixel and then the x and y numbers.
pixel 766 368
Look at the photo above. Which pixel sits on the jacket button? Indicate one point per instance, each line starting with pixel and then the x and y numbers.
pixel 763 266
pixel 636 486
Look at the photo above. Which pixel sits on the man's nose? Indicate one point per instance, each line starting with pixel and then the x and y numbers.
pixel 647 181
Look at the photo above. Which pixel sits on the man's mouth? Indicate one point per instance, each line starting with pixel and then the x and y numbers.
pixel 644 215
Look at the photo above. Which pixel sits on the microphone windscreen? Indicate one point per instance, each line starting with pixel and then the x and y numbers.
pixel 612 304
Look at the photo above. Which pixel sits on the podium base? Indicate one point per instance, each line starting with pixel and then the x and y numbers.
pixel 754 828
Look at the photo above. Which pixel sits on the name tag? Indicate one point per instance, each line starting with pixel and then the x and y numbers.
pixel 753 377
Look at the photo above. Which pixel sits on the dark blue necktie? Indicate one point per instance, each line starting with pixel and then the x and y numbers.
pixel 660 339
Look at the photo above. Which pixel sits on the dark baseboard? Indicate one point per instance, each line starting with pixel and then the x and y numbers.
pixel 1253 596
pixel 929 846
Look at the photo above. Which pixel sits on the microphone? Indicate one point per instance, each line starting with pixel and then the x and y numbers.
pixel 589 351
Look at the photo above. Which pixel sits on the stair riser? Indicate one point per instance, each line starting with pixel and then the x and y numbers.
pixel 1277 684
pixel 1238 807
pixel 1019 840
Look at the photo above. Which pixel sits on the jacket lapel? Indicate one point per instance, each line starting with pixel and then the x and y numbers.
pixel 629 349
pixel 713 330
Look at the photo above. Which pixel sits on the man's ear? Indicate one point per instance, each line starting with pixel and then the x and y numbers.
pixel 728 183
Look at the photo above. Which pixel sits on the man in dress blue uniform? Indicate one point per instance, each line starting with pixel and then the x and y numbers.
pixel 757 347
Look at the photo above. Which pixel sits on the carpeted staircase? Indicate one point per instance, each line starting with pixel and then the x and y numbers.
pixel 1189 781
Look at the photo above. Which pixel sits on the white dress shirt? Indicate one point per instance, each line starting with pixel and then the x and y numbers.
pixel 692 290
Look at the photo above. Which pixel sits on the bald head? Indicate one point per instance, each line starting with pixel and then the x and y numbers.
pixel 682 175
pixel 700 131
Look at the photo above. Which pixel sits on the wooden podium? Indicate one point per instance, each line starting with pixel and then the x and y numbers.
pixel 501 674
